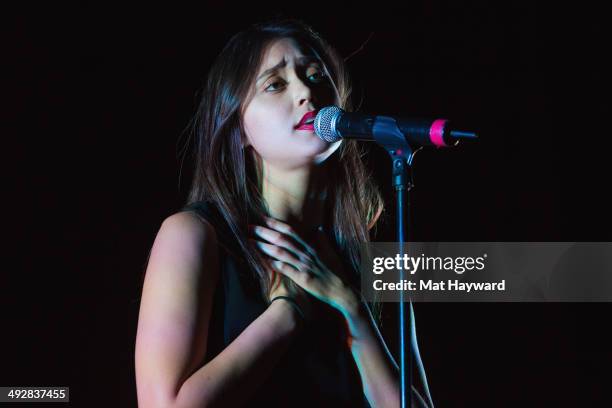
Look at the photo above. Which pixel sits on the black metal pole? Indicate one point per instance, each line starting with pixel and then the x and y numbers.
pixel 401 185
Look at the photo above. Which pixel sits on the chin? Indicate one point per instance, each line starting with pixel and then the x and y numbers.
pixel 330 148
pixel 318 146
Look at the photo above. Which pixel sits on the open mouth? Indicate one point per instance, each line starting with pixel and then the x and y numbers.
pixel 307 122
pixel 307 125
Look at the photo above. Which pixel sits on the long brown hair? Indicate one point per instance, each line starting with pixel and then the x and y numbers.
pixel 230 179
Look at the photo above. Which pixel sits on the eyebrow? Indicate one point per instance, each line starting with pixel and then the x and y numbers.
pixel 283 64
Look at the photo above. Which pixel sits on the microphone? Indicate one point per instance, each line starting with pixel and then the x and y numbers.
pixel 332 124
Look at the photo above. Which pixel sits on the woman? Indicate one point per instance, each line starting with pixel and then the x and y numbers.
pixel 250 292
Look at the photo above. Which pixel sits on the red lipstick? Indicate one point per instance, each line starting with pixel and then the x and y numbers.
pixel 302 125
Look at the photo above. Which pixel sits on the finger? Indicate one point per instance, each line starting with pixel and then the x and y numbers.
pixel 309 256
pixel 301 277
pixel 275 276
pixel 287 229
pixel 281 254
pixel 279 239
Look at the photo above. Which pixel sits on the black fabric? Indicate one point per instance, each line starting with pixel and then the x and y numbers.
pixel 317 370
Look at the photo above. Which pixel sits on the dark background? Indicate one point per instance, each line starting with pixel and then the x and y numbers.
pixel 95 104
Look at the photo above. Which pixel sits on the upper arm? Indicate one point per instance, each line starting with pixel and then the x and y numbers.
pixel 175 307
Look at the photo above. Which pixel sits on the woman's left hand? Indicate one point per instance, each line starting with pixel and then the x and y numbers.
pixel 301 264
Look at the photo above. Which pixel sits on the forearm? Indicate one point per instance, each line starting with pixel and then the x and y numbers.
pixel 232 376
pixel 379 372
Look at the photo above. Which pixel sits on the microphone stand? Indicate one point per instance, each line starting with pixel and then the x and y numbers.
pixel 387 134
pixel 401 166
pixel 401 185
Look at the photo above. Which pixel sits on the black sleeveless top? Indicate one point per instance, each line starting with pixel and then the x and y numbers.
pixel 317 370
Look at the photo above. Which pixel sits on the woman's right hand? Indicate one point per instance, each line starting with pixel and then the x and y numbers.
pixel 281 285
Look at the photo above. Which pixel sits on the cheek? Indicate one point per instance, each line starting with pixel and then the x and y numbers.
pixel 264 130
pixel 269 131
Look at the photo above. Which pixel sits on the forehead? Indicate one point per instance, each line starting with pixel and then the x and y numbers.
pixel 283 49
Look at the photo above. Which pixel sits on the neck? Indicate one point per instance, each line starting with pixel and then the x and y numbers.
pixel 293 196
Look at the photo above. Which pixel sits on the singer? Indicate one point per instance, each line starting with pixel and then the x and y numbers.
pixel 250 296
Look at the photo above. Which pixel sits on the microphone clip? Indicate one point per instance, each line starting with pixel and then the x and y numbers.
pixel 388 135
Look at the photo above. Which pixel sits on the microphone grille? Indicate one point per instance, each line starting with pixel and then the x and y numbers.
pixel 325 123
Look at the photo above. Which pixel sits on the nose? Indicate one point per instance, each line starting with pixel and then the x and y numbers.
pixel 304 94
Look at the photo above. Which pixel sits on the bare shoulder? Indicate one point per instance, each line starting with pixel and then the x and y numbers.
pixel 188 223
pixel 175 307
pixel 183 245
